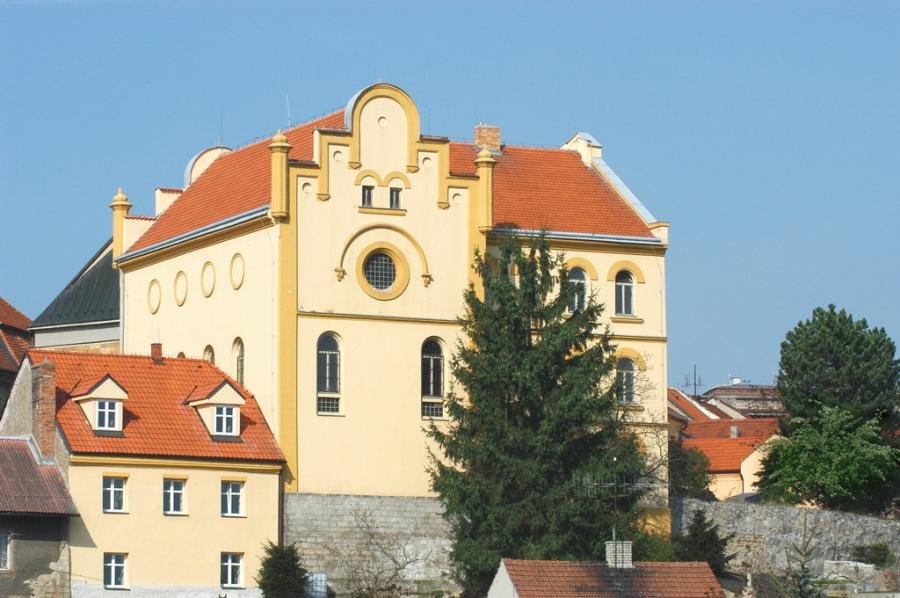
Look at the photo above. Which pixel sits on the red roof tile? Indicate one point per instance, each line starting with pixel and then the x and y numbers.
pixel 13 345
pixel 30 487
pixel 12 317
pixel 725 454
pixel 553 189
pixel 721 428
pixel 682 403
pixel 235 183
pixel 565 579
pixel 533 189
pixel 156 420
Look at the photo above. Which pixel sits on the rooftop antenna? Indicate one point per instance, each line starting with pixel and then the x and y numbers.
pixel 287 102
pixel 219 139
pixel 695 383
pixel 428 122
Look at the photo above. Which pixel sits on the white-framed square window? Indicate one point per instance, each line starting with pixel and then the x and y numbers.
pixel 114 570
pixel 231 571
pixel 109 415
pixel 113 495
pixel 226 420
pixel 232 499
pixel 173 497
pixel 5 543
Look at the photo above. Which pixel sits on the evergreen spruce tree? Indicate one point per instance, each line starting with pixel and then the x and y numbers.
pixel 702 542
pixel 534 430
pixel 280 574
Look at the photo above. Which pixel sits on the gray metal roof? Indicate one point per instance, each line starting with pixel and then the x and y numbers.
pixel 92 296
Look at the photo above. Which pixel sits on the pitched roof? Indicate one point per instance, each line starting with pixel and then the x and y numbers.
pixel 721 428
pixel 91 296
pixel 534 188
pixel 156 422
pixel 234 183
pixel 12 317
pixel 682 403
pixel 725 454
pixel 564 579
pixel 30 487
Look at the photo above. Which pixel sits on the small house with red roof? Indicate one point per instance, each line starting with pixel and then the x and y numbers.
pixel 170 463
pixel 617 576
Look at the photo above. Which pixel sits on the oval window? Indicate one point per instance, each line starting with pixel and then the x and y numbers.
pixel 380 270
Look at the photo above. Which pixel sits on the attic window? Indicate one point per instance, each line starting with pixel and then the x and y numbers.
pixel 226 420
pixel 109 415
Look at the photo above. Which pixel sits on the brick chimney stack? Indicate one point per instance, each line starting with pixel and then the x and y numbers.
pixel 618 554
pixel 43 407
pixel 156 353
pixel 488 137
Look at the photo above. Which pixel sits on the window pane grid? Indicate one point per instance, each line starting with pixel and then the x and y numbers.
pixel 173 494
pixel 432 409
pixel 380 270
pixel 106 415
pixel 113 570
pixel 113 494
pixel 231 498
pixel 328 404
pixel 230 571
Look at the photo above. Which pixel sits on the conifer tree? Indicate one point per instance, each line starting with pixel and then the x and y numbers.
pixel 280 574
pixel 534 463
pixel 702 542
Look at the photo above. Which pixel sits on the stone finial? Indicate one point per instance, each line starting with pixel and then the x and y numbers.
pixel 120 199
pixel 279 142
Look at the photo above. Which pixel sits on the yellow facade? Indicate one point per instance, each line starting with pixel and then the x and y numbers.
pixel 169 550
pixel 304 278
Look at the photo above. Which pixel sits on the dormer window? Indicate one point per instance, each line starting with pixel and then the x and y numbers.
pixel 226 420
pixel 109 415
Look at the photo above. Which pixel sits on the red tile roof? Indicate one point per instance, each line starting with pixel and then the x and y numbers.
pixel 721 428
pixel 683 404
pixel 565 579
pixel 156 420
pixel 235 183
pixel 533 189
pixel 12 317
pixel 725 454
pixel 13 345
pixel 30 487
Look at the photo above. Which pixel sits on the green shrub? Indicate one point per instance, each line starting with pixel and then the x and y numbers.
pixel 281 575
pixel 650 547
pixel 878 554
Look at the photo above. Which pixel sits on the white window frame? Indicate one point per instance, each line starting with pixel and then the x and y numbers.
pixel 222 416
pixel 228 492
pixel 625 383
pixel 433 362
pixel 110 563
pixel 110 493
pixel 103 408
pixel 625 290
pixel 328 393
pixel 578 299
pixel 394 194
pixel 169 492
pixel 6 550
pixel 231 560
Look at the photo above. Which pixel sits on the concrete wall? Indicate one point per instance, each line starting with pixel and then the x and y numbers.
pixel 38 558
pixel 328 531
pixel 763 533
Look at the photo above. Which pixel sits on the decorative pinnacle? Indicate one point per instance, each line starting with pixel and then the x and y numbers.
pixel 279 142
pixel 485 157
pixel 120 199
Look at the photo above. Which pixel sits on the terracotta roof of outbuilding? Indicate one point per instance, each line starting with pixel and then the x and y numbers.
pixel 725 455
pixel 27 486
pixel 534 188
pixel 10 316
pixel 565 579
pixel 156 422
pixel 721 428
pixel 681 402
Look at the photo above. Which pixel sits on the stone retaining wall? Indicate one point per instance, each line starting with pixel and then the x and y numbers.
pixel 765 533
pixel 344 536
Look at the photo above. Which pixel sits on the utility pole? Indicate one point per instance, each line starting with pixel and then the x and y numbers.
pixel 696 381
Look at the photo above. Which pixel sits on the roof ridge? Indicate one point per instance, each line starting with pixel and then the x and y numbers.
pixel 116 355
pixel 268 139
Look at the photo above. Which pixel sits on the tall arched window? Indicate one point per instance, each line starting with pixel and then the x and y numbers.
pixel 328 374
pixel 624 293
pixel 432 379
pixel 237 353
pixel 625 380
pixel 578 280
pixel 209 355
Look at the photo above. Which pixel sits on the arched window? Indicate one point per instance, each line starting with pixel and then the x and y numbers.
pixel 328 374
pixel 209 355
pixel 237 353
pixel 432 379
pixel 180 355
pixel 625 380
pixel 578 280
pixel 624 293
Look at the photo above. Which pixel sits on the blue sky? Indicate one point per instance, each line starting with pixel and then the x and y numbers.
pixel 768 133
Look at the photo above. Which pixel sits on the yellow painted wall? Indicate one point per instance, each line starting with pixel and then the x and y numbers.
pixel 169 549
pixel 227 313
pixel 726 485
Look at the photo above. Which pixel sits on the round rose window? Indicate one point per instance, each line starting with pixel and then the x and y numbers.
pixel 380 270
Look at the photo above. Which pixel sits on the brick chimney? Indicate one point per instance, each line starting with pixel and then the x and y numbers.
pixel 156 353
pixel 488 137
pixel 618 554
pixel 43 407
